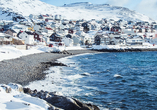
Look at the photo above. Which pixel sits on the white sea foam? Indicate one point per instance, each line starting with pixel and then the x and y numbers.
pixel 66 80
pixel 86 74
pixel 69 59
pixel 117 75
pixel 58 80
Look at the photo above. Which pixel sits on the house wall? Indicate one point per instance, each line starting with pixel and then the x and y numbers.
pixel 49 31
pixel 67 41
pixel 38 37
pixel 11 33
pixel 128 31
pixel 37 28
pixel 46 39
pixel 29 39
pixel 154 41
pixel 76 40
pixel 14 34
pixel 134 41
pixel 21 47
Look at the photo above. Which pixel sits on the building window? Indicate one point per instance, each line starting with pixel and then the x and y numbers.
pixel 26 36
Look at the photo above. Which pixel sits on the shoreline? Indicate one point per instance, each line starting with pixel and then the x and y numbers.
pixel 125 50
pixel 30 68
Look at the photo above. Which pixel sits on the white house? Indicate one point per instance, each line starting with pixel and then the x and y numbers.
pixel 67 41
pixel 94 25
pixel 28 37
pixel 58 17
pixel 48 30
pixel 46 37
pixel 153 39
pixel 135 40
pixel 114 35
pixel 155 26
pixel 89 37
pixel 5 38
pixel 117 41
pixel 128 31
pixel 37 28
pixel 76 40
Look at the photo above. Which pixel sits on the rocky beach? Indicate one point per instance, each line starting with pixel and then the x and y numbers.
pixel 30 68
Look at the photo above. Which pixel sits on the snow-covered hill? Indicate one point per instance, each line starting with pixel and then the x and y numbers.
pixel 98 11
pixel 80 10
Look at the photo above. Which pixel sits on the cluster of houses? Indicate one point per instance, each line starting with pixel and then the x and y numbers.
pixel 54 30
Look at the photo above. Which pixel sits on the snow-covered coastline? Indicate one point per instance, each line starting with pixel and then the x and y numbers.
pixel 10 52
pixel 117 48
pixel 98 27
pixel 16 99
pixel 14 96
pixel 24 101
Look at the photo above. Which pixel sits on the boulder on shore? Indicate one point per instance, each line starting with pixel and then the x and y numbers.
pixel 60 101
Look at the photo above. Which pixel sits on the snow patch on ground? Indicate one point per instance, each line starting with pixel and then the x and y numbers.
pixel 19 101
pixel 10 52
pixel 146 46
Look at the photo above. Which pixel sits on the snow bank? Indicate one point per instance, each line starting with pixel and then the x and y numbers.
pixel 19 101
pixel 110 47
pixel 10 52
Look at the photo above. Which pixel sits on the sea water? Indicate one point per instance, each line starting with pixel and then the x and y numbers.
pixel 109 80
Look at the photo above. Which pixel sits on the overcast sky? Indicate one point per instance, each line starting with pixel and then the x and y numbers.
pixel 147 7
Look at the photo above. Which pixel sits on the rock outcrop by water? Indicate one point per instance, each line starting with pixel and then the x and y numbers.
pixel 59 101
pixel 30 68
pixel 55 100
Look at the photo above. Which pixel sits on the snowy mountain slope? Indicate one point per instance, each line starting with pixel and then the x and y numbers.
pixel 81 10
pixel 107 11
pixel 25 7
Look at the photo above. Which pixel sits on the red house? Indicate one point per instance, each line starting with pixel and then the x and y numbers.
pixel 70 31
pixel 44 15
pixel 49 20
pixel 55 37
pixel 116 29
pixel 38 36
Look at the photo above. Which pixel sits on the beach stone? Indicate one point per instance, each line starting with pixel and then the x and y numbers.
pixel 63 102
pixel 67 103
pixel 56 93
pixel 35 91
pixel 27 90
pixel 57 100
pixel 6 88
pixel 16 87
pixel 86 106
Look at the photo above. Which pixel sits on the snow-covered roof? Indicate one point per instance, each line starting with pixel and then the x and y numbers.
pixel 5 35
